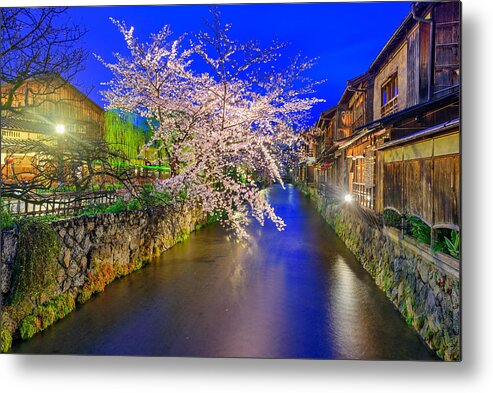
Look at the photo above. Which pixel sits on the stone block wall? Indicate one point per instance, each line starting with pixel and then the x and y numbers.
pixel 424 287
pixel 94 251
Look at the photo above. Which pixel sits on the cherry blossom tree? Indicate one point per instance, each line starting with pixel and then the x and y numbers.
pixel 219 130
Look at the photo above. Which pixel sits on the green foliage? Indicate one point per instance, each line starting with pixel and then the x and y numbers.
pixel 218 215
pixel 453 244
pixel 6 340
pixel 111 186
pixel 116 207
pixel 182 236
pixel 103 274
pixel 392 218
pixel 419 229
pixel 150 197
pixel 123 137
pixel 6 219
pixel 93 209
pixel 35 263
pixel 134 204
pixel 447 241
pixel 48 218
pixel 66 188
pixel 47 314
pixel 29 327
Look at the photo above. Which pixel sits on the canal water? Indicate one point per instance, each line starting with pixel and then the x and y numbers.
pixel 299 293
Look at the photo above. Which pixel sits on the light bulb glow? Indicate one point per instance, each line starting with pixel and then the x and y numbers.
pixel 348 198
pixel 60 128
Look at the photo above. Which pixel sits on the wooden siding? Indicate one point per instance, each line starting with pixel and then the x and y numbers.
pixel 398 63
pixel 392 189
pixel 413 63
pixel 417 188
pixel 424 60
pixel 446 184
pixel 60 102
pixel 422 179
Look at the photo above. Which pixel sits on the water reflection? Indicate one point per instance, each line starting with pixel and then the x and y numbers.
pixel 296 293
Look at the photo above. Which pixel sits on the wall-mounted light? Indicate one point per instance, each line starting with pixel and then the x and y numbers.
pixel 60 128
pixel 348 198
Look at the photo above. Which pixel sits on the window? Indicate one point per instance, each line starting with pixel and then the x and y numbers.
pixel 358 110
pixel 390 93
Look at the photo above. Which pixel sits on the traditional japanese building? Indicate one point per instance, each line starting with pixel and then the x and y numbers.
pixel 47 108
pixel 392 141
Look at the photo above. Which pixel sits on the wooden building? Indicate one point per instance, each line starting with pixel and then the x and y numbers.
pixel 392 140
pixel 40 108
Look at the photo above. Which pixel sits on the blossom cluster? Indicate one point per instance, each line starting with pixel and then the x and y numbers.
pixel 223 132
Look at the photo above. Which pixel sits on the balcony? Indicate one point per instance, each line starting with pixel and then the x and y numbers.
pixel 391 106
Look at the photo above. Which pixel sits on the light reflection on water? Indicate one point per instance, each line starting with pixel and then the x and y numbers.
pixel 296 293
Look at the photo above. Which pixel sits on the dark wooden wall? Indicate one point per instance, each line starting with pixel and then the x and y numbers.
pixel 428 188
pixel 447 41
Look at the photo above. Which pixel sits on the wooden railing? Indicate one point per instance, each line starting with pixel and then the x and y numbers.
pixel 364 195
pixel 391 106
pixel 63 204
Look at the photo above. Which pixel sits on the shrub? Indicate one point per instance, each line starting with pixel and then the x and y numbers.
pixel 392 219
pixel 6 218
pixel 111 186
pixel 150 197
pixel 116 207
pixel 448 242
pixel 419 229
pixel 134 204
pixel 453 244
pixel 93 209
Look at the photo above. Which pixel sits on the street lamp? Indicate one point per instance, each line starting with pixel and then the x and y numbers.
pixel 60 128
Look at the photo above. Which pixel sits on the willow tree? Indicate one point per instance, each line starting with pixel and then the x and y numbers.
pixel 217 128
pixel 123 136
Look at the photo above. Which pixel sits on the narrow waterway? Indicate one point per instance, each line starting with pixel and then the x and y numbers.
pixel 299 293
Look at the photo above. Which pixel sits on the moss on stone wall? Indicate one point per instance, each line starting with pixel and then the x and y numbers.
pixel 45 315
pixel 102 275
pixel 35 263
pixel 93 252
pixel 6 338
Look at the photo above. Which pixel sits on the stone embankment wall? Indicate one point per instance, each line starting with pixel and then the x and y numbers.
pixel 424 287
pixel 93 252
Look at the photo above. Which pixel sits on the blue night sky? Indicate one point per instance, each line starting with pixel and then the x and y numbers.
pixel 346 37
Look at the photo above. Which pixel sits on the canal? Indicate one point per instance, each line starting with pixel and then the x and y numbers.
pixel 299 293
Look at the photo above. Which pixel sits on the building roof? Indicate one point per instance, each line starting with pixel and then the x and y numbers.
pixel 63 83
pixel 351 87
pixel 26 121
pixel 422 134
pixel 399 34
pixel 327 114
